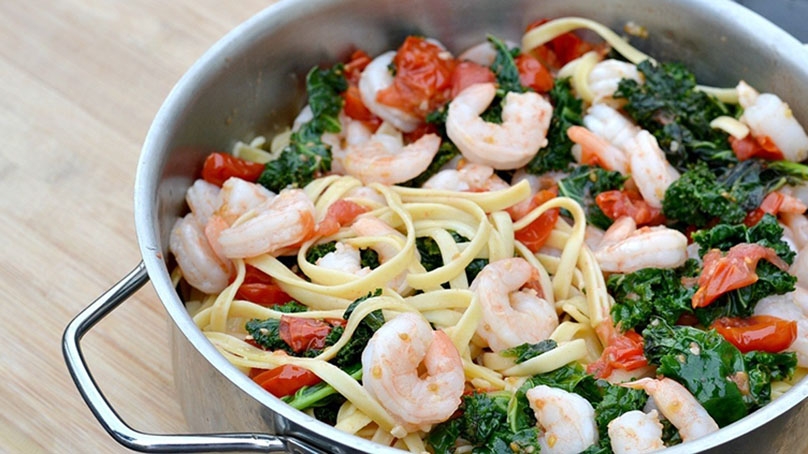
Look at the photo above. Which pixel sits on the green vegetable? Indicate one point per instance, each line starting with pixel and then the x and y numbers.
pixel 767 232
pixel 307 157
pixel 669 106
pixel 584 183
pixel 318 395
pixel 431 257
pixel 446 152
pixel 651 292
pixel 351 353
pixel 524 352
pixel 567 111
pixel 504 67
pixel 711 368
pixel 367 257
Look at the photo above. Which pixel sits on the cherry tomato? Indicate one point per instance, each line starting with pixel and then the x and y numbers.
pixel 535 234
pixel 423 79
pixel 758 332
pixel 303 333
pixel 533 74
pixel 340 213
pixel 356 64
pixel 775 203
pixel 468 73
pixel 736 269
pixel 616 204
pixel 218 167
pixel 285 380
pixel 560 50
pixel 625 351
pixel 260 288
pixel 749 147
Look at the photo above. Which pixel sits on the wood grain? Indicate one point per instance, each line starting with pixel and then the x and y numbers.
pixel 80 81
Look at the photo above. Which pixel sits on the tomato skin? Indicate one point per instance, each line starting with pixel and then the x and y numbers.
pixel 736 269
pixel 560 50
pixel 616 204
pixel 758 332
pixel 535 234
pixel 303 334
pixel 356 64
pixel 258 287
pixel 468 73
pixel 340 213
pixel 750 147
pixel 285 380
pixel 423 79
pixel 533 74
pixel 218 167
pixel 625 351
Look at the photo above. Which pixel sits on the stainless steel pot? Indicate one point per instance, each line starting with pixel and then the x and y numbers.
pixel 252 79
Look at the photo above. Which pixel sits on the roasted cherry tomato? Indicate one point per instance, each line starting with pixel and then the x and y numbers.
pixel 625 351
pixel 533 74
pixel 616 204
pixel 260 288
pixel 758 332
pixel 340 213
pixel 285 380
pixel 303 334
pixel 218 167
pixel 560 50
pixel 535 234
pixel 736 269
pixel 750 147
pixel 423 78
pixel 468 73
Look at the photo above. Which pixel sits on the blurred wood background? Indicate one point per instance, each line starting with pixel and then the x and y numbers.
pixel 80 81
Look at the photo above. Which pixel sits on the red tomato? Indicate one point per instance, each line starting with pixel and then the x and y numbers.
pixel 285 380
pixel 560 50
pixel 260 288
pixel 758 332
pixel 625 351
pixel 354 107
pixel 423 79
pixel 218 167
pixel 340 213
pixel 303 333
pixel 774 203
pixel 761 147
pixel 535 234
pixel 533 74
pixel 468 73
pixel 735 270
pixel 616 204
pixel 355 65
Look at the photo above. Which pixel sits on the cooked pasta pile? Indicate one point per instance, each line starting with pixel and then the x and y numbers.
pixel 470 228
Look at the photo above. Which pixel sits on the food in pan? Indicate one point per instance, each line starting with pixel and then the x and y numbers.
pixel 557 245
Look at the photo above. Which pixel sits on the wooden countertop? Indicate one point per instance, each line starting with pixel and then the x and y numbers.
pixel 81 81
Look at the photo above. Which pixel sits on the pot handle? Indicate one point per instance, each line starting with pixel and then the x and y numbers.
pixel 115 426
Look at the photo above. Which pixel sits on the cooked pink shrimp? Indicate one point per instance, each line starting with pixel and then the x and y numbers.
pixel 376 77
pixel 345 258
pixel 566 420
pixel 596 148
pixel 203 200
pixel 467 177
pixel 283 221
pixel 511 317
pixel 239 196
pixel 352 132
pixel 649 168
pixel 769 116
pixel 510 145
pixel 391 365
pixel 385 159
pixel 610 124
pixel 201 267
pixel 624 248
pixel 371 226
pixel 606 75
pixel 676 403
pixel 635 432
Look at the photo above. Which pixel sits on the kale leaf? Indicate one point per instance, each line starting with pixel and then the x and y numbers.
pixel 504 67
pixel 567 111
pixel 767 232
pixel 669 106
pixel 763 368
pixel 306 157
pixel 584 183
pixel 431 257
pixel 651 292
pixel 524 352
pixel 351 353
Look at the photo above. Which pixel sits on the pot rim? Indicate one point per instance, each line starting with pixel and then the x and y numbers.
pixel 150 170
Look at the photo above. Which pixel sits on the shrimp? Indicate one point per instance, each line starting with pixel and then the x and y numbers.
pixel 385 159
pixel 511 317
pixel 676 404
pixel 376 77
pixel 371 226
pixel 467 177
pixel 606 75
pixel 201 267
pixel 596 148
pixel 345 258
pixel 610 124
pixel 510 145
pixel 649 168
pixel 636 432
pixel 391 365
pixel 483 53
pixel 768 116
pixel 283 221
pixel 203 200
pixel 239 196
pixel 566 420
pixel 352 132
pixel 624 248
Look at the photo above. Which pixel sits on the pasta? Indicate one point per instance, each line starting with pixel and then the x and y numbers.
pixel 521 281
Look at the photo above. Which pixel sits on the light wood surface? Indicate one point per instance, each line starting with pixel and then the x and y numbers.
pixel 80 81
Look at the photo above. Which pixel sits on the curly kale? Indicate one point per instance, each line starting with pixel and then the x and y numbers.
pixel 306 157
pixel 669 105
pixel 584 183
pixel 567 111
pixel 367 257
pixel 526 351
pixel 504 67
pixel 431 257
